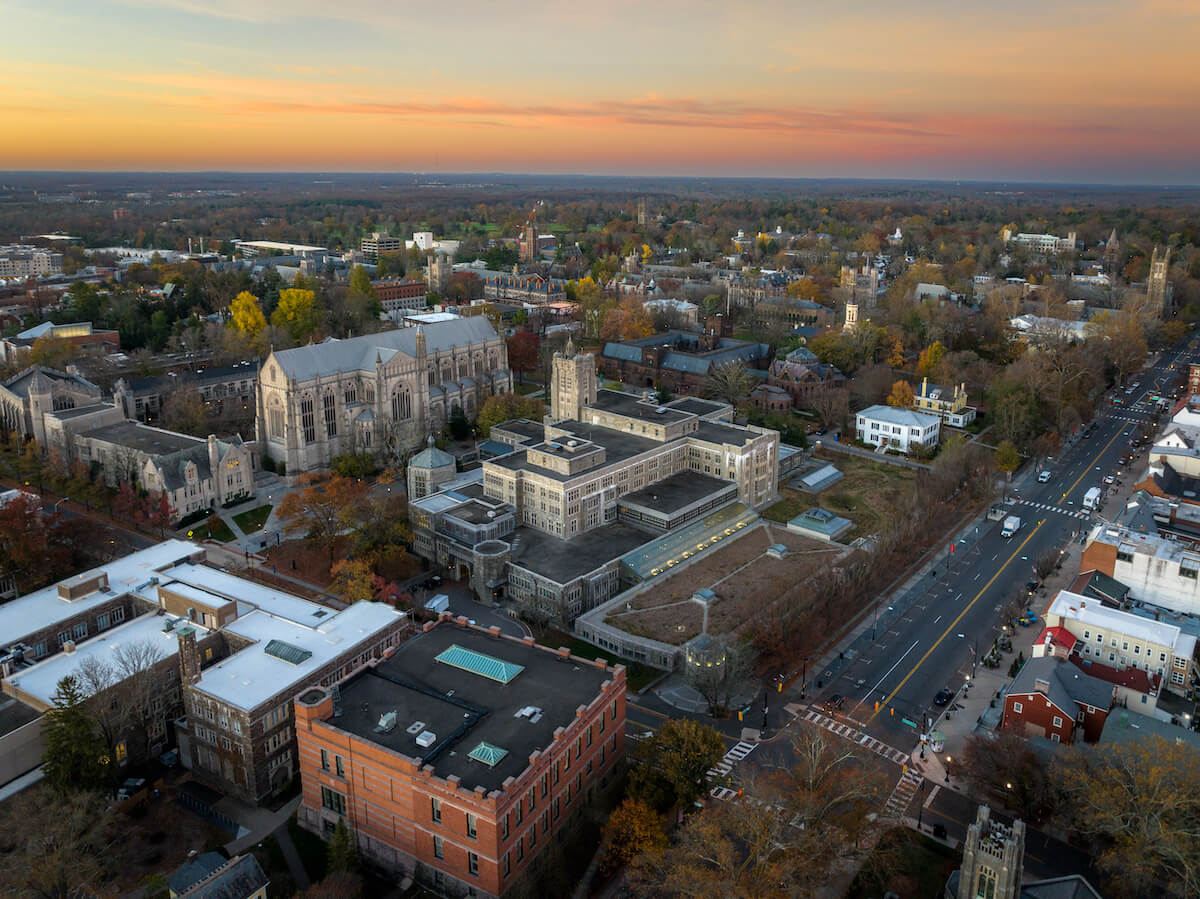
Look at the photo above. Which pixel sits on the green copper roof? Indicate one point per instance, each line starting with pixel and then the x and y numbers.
pixel 488 754
pixel 478 663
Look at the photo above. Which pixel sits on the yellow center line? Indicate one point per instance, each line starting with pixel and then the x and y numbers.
pixel 954 623
pixel 1092 464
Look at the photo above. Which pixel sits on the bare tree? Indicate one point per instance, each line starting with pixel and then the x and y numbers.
pixel 832 406
pixel 718 671
pixel 124 693
pixel 56 848
pixel 729 382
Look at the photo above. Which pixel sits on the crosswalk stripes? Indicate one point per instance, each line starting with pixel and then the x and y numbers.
pixel 906 788
pixel 1046 507
pixel 857 736
pixel 724 768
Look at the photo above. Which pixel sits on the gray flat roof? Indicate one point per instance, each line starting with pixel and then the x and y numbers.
pixel 80 410
pixel 464 709
pixel 15 714
pixel 152 441
pixel 697 406
pixel 676 492
pixel 564 560
pixel 530 430
pixel 633 406
pixel 719 433
pixel 618 445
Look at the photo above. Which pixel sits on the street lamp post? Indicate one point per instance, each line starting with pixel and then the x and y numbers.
pixel 804 677
pixel 59 503
pixel 921 803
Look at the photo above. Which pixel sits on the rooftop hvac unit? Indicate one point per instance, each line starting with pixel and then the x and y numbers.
pixel 387 723
pixel 426 739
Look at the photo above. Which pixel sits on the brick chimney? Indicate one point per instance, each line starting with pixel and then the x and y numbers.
pixel 189 654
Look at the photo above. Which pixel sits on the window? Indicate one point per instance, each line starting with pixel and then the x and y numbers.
pixel 1057 721
pixel 545 822
pixel 520 812
pixel 556 769
pixel 308 423
pixel 555 808
pixel 63 637
pixel 504 827
pixel 275 423
pixel 471 829
pixel 1087 635
pixel 122 752
pixel 437 848
pixel 325 761
pixel 613 710
pixel 532 836
pixel 1137 649
pixel 337 760
pixel 1017 707
pixel 401 405
pixel 118 615
pixel 531 798
pixel 435 807
pixel 333 800
pixel 473 863
pixel 329 401
pixel 589 739
pixel 507 863
pixel 81 630
pixel 520 848
pixel 101 622
pixel 351 395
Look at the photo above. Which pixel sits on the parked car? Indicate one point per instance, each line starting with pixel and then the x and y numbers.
pixel 943 697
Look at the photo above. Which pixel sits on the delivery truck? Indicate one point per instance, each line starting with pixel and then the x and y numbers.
pixel 1012 524
pixel 1091 499
pixel 438 604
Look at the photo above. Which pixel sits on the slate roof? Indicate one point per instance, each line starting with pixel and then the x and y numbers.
pixel 242 876
pixel 359 353
pixel 1068 685
pixel 22 382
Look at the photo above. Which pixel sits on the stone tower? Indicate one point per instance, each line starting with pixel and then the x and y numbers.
pixel 993 857
pixel 1156 285
pixel 851 317
pixel 572 384
pixel 439 270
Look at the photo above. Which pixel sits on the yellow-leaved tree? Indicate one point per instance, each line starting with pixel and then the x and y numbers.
pixel 247 316
pixel 901 396
pixel 297 313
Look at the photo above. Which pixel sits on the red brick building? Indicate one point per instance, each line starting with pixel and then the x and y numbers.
pixel 458 757
pixel 1052 698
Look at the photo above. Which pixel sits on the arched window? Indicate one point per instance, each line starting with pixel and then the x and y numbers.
pixel 275 420
pixel 402 404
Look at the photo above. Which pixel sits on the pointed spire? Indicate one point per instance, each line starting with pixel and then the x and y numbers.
pixel 570 349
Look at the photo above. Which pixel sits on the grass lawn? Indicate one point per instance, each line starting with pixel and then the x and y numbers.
pixel 636 674
pixel 253 520
pixel 220 532
pixel 910 865
pixel 863 495
pixel 527 387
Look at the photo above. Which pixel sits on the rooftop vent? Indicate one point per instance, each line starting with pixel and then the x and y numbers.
pixel 387 723
pixel 426 739
pixel 416 727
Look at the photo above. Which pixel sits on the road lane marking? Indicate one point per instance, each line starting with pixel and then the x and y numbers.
pixel 954 623
pixel 1088 468
pixel 888 672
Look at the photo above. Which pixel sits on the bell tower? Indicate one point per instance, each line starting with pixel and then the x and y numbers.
pixel 572 384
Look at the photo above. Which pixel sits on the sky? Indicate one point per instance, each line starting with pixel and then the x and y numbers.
pixel 1054 90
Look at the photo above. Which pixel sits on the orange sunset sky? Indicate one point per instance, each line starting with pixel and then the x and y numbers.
pixel 1047 91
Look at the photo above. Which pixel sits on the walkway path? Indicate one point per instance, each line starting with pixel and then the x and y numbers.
pixel 292 857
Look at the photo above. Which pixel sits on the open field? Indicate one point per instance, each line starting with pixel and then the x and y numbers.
pixel 253 519
pixel 739 572
pixel 864 495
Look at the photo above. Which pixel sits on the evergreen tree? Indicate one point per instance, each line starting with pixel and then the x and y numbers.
pixel 341 853
pixel 75 756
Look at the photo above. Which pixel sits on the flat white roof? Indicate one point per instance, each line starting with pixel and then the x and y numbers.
pixel 1090 611
pixel 430 317
pixel 277 245
pixel 41 680
pixel 249 678
pixel 44 608
pixel 249 594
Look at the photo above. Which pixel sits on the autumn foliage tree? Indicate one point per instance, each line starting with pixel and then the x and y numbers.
pixel 672 767
pixel 1141 801
pixel 633 829
pixel 901 396
pixel 505 406
pixel 1008 457
pixel 930 358
pixel 247 317
pixel 523 352
pixel 627 321
pixel 321 510
pixel 297 313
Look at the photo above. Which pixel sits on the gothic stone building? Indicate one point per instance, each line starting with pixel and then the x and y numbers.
pixel 375 393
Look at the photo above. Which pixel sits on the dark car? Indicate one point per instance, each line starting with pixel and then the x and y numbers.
pixel 943 697
pixel 835 703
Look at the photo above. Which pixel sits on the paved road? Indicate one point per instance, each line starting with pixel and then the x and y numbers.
pixel 925 641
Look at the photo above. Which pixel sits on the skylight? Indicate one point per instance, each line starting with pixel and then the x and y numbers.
pixel 478 663
pixel 287 652
pixel 488 754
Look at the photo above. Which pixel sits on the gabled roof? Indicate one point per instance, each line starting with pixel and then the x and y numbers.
pixel 360 353
pixel 904 417
pixel 1067 685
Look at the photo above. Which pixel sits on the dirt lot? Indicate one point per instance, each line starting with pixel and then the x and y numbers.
pixel 863 495
pixel 739 573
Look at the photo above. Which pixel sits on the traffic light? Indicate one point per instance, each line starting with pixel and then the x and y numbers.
pixel 877 705
pixel 892 711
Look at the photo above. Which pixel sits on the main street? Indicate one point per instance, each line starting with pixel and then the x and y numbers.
pixel 925 639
